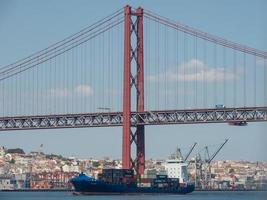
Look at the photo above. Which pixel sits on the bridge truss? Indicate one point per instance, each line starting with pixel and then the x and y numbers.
pixel 85 120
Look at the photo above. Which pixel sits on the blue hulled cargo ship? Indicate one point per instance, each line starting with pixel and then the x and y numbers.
pixel 172 180
pixel 124 181
pixel 87 185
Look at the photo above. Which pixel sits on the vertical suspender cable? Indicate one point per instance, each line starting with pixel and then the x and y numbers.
pixel 33 90
pixel 224 76
pixel 67 83
pixel 85 74
pixel 3 97
pixel 265 82
pixel 108 75
pixel 57 84
pixel 146 67
pixel 20 94
pixel 165 67
pixel 9 95
pixel 119 82
pixel 116 60
pixel 215 75
pixel 42 87
pixel 24 89
pixel 254 80
pixel 80 83
pixel 54 86
pixel 146 63
pixel 98 68
pixel 158 60
pixel 16 93
pixel 83 77
pixel 175 49
pixel 72 79
pixel 121 48
pixel 196 72
pixel 41 94
pixel 79 80
pixel 244 80
pixel 50 86
pixel 93 75
pixel 103 70
pixel 112 70
pixel 177 69
pixel 65 70
pixel 185 87
pixel 235 78
pixel 76 80
pixel 205 74
pixel 40 74
pixel 186 70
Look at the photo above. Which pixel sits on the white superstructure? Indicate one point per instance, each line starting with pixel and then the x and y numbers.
pixel 176 167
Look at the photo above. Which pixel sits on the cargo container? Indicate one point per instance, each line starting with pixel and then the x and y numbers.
pixel 160 176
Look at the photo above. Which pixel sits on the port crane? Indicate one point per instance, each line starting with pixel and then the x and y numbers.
pixel 190 151
pixel 178 153
pixel 207 170
pixel 202 166
pixel 209 159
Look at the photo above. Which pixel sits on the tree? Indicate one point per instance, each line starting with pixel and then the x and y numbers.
pixel 12 161
pixel 17 150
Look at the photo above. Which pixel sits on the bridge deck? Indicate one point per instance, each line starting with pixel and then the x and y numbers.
pixel 163 117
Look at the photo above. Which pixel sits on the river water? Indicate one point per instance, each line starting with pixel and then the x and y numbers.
pixel 193 196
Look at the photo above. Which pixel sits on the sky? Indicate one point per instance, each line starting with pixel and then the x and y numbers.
pixel 28 26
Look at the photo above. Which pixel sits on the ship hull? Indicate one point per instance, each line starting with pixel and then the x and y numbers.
pixel 96 187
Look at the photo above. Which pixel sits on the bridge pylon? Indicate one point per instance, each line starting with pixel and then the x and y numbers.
pixel 133 78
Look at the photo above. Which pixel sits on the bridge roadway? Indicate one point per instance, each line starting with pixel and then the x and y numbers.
pixel 161 117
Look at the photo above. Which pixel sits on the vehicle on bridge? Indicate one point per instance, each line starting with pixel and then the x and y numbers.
pixel 240 123
pixel 220 106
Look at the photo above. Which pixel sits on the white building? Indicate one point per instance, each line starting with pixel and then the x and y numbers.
pixel 6 183
pixel 2 152
pixel 70 168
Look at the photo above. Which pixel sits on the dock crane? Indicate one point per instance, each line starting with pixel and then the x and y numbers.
pixel 207 161
pixel 216 152
pixel 190 151
pixel 178 153
pixel 202 166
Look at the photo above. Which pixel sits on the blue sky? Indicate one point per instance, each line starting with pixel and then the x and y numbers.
pixel 28 26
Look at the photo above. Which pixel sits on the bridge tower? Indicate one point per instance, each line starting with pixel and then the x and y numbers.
pixel 133 78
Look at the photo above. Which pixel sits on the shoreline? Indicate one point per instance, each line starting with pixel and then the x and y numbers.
pixel 70 190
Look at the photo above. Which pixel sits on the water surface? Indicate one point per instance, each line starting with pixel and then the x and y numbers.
pixel 193 196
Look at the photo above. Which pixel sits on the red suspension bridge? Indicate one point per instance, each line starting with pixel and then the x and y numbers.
pixel 161 71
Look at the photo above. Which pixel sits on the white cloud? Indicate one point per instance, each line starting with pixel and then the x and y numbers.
pixel 59 92
pixel 261 62
pixel 81 90
pixel 195 70
pixel 84 90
